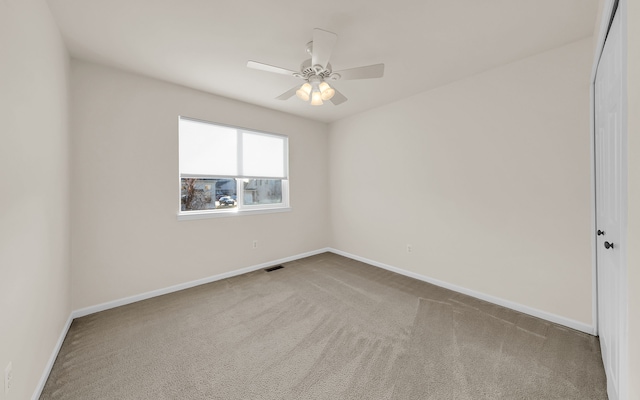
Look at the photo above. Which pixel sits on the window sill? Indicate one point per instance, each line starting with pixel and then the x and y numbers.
pixel 189 215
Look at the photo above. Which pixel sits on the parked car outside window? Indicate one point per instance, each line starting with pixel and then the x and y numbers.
pixel 227 201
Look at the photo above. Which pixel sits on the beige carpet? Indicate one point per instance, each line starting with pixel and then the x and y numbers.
pixel 325 327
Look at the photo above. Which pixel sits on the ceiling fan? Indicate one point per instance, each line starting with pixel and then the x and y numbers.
pixel 317 70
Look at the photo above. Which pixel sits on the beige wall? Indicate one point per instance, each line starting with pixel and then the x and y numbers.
pixel 487 178
pixel 483 177
pixel 126 239
pixel 34 201
pixel 633 84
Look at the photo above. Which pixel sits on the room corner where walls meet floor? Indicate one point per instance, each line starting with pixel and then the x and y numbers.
pixel 148 295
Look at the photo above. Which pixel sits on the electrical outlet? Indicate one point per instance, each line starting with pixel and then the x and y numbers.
pixel 8 377
pixel 255 244
pixel 409 248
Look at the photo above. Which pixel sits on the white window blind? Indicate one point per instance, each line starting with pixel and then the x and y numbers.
pixel 207 149
pixel 210 150
pixel 263 156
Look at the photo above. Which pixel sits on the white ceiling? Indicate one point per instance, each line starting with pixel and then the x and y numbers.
pixel 205 44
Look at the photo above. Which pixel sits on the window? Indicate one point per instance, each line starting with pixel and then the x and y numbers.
pixel 225 169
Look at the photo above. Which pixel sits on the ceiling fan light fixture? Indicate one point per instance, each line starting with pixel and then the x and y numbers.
pixel 304 92
pixel 316 98
pixel 326 91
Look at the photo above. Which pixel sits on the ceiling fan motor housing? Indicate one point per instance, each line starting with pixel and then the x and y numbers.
pixel 307 70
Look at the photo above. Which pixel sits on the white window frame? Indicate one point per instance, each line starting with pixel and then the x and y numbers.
pixel 241 208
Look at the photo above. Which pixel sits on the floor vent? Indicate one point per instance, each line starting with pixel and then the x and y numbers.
pixel 273 268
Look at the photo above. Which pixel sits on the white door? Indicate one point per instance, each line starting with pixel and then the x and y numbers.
pixel 610 136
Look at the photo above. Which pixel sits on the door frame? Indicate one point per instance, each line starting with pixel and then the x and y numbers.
pixel 609 8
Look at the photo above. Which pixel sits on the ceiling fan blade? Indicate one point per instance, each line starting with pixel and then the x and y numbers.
pixel 270 68
pixel 368 72
pixel 338 98
pixel 323 42
pixel 286 95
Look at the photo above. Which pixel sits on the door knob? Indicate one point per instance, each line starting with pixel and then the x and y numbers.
pixel 600 232
pixel 608 245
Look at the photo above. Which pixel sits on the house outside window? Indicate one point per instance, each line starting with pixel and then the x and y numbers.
pixel 227 170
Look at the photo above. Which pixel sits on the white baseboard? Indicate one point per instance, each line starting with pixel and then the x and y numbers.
pixel 570 323
pixel 52 359
pixel 159 292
